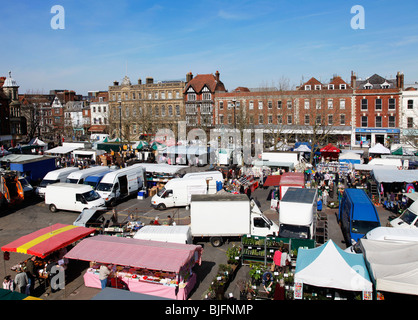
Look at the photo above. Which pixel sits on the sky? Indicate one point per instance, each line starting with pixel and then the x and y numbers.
pixel 251 43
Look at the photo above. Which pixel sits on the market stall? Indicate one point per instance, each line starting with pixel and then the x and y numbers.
pixel 393 181
pixel 330 152
pixel 393 265
pixel 151 267
pixel 379 148
pixel 329 266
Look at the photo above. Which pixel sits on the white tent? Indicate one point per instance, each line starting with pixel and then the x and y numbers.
pixel 350 157
pixel 392 265
pixel 379 149
pixel 330 267
pixel 390 176
pixel 302 148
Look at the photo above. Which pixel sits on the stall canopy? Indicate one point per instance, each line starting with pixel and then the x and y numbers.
pixel 392 265
pixel 330 267
pixel 62 150
pixel 43 242
pixel 349 157
pixel 379 148
pixel 272 180
pixel 302 148
pixel 154 255
pixel 330 151
pixel 393 176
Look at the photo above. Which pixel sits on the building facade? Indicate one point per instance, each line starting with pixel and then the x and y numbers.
pixel 409 117
pixel 99 112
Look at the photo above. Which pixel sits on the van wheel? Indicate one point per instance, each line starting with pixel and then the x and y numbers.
pixel 216 241
pixel 52 208
pixel 161 206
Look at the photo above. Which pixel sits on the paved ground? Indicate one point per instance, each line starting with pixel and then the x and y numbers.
pixel 19 222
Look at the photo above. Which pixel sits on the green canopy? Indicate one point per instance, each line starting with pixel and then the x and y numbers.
pixel 398 152
pixel 142 144
pixel 14 295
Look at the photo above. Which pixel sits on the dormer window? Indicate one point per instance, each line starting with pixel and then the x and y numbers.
pixel 330 87
pixel 343 86
pixel 307 87
pixel 317 87
pixel 385 85
pixel 367 86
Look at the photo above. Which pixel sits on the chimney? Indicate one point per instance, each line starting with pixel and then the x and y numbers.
pixel 139 81
pixel 217 76
pixel 115 83
pixel 189 77
pixel 400 80
pixel 353 80
pixel 149 80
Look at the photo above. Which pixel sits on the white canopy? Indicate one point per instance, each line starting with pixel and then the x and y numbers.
pixel 303 148
pixel 393 265
pixel 350 155
pixel 330 267
pixel 379 148
pixel 395 175
pixel 62 149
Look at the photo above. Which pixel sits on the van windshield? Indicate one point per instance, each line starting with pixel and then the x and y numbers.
pixel 71 180
pixel 161 192
pixel 44 183
pixel 295 232
pixel 408 217
pixel 91 196
pixel 362 227
pixel 92 184
pixel 104 187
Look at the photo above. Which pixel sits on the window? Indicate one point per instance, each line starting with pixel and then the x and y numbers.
pixel 206 96
pixel 221 105
pixel 330 120
pixel 162 95
pixel 149 95
pixel 410 104
pixel 221 119
pixel 126 96
pixel 392 104
pixel 251 105
pixel 170 111
pixel 343 86
pixel 177 110
pixel 279 119
pixel 99 109
pixel 289 104
pixel 410 123
pixel 342 119
pixel 342 104
pixel 270 119
pixel 378 104
pixel 251 120
pixel 307 87
pixel 260 105
pixel 306 104
pixel 330 104
pixel 155 95
pixel 104 109
pixel 289 119
pixel 317 87
pixel 177 95
pixel 229 119
pixel 163 110
pixel 133 95
pixel 392 121
pixel 94 109
pixel 318 119
pixel 157 111
pixel 364 121
pixel 330 87
pixel 191 97
pixel 318 104
pixel 270 104
pixel 170 95
pixel 363 104
pixel 306 119
pixel 260 119
pixel 279 104
pixel 378 122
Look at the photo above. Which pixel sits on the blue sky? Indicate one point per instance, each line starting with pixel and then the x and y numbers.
pixel 251 43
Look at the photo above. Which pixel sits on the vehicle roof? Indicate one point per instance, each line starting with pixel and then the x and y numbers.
pixel 389 233
pixel 364 209
pixel 88 171
pixel 111 175
pixel 57 172
pixel 99 174
pixel 220 197
pixel 69 186
pixel 300 195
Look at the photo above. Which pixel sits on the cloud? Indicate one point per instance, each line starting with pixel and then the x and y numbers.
pixel 232 15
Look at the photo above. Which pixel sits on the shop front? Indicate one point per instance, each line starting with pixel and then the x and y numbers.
pixel 371 136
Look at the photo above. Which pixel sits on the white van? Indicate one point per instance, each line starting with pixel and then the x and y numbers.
pixel 71 197
pixel 178 192
pixel 79 176
pixel 408 219
pixel 121 183
pixel 54 176
pixel 214 175
pixel 176 234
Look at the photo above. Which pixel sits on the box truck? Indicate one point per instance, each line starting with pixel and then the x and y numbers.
pixel 71 197
pixel 54 176
pixel 94 180
pixel 176 234
pixel 79 176
pixel 297 213
pixel 357 215
pixel 218 217
pixel 121 183
pixel 178 191
pixel 408 219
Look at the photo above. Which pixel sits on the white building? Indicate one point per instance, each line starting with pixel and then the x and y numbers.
pixel 99 111
pixel 409 113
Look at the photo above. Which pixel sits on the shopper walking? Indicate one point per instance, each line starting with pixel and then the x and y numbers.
pixel 104 273
pixel 21 281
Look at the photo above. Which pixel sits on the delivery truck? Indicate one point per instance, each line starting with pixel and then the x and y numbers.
pixel 176 234
pixel 178 191
pixel 79 176
pixel 357 215
pixel 297 213
pixel 223 216
pixel 71 197
pixel 54 176
pixel 120 184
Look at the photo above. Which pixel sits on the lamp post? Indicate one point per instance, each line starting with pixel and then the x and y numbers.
pixel 120 120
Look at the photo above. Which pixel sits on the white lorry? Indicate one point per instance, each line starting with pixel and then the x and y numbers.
pixel 176 234
pixel 79 176
pixel 54 176
pixel 121 183
pixel 297 213
pixel 178 191
pixel 408 219
pixel 217 217
pixel 71 197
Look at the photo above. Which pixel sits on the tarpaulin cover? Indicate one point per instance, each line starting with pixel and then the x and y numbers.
pixel 43 242
pixel 154 255
pixel 273 180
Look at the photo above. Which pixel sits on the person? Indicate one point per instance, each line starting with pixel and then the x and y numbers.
pixel 170 220
pixel 8 283
pixel 114 216
pixel 30 271
pixel 104 273
pixel 156 222
pixel 319 205
pixel 21 281
pixel 267 281
pixel 325 197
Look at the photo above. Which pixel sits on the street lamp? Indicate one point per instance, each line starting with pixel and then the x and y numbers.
pixel 120 119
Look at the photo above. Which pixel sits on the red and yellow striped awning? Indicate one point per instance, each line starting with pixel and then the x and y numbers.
pixel 43 242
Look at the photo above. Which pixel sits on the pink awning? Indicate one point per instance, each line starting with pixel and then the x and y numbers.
pixel 137 253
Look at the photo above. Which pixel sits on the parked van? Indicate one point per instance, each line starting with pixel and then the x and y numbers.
pixel 79 176
pixel 54 176
pixel 408 219
pixel 94 180
pixel 71 197
pixel 176 234
pixel 178 192
pixel 357 215
pixel 121 183
pixel 214 175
